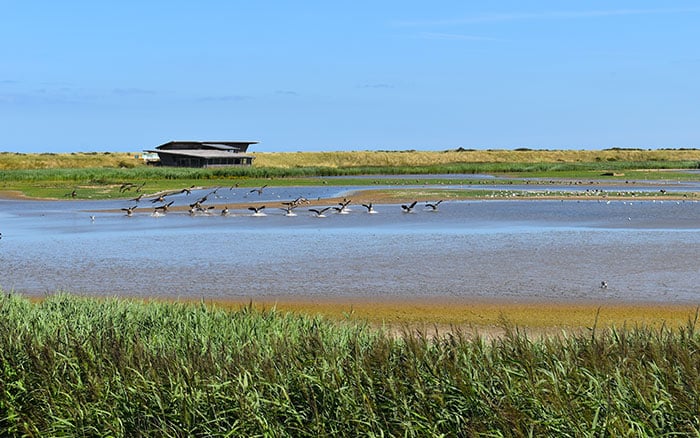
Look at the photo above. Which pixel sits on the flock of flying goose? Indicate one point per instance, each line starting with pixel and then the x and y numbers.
pixel 199 207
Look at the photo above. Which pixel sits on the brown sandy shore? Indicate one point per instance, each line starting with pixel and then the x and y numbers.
pixel 397 196
pixel 483 317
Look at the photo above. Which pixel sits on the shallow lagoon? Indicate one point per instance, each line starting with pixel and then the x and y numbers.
pixel 498 249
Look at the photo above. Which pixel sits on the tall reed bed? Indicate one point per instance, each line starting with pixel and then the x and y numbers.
pixel 72 366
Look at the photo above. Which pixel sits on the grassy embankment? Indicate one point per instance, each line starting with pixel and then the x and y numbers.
pixel 79 367
pixel 101 175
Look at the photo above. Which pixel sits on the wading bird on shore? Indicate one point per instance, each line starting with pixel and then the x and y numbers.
pixel 257 211
pixel 319 213
pixel 434 206
pixel 409 208
pixel 129 211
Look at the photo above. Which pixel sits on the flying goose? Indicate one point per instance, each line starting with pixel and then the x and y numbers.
pixel 129 211
pixel 257 211
pixel 297 202
pixel 160 198
pixel 434 206
pixel 409 208
pixel 369 208
pixel 224 211
pixel 319 213
pixel 201 200
pixel 259 190
pixel 289 210
pixel 126 187
pixel 343 209
pixel 163 208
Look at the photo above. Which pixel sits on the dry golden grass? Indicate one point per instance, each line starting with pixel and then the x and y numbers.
pixel 425 158
pixel 10 160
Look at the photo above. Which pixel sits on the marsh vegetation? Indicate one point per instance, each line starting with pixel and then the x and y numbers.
pixel 75 366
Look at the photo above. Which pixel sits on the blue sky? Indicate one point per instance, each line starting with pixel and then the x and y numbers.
pixel 349 75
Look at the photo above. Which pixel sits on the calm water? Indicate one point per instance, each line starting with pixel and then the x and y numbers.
pixel 517 250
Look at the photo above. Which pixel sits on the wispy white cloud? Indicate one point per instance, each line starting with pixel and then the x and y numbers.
pixel 377 85
pixel 36 98
pixel 545 15
pixel 455 36
pixel 286 93
pixel 132 91
pixel 225 98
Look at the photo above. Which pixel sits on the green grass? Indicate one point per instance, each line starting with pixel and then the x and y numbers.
pixel 104 183
pixel 100 175
pixel 72 366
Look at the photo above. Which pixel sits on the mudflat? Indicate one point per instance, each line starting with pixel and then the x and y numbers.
pixel 486 317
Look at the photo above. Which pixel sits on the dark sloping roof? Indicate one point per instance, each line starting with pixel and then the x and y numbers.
pixel 203 153
pixel 208 144
pixel 221 146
